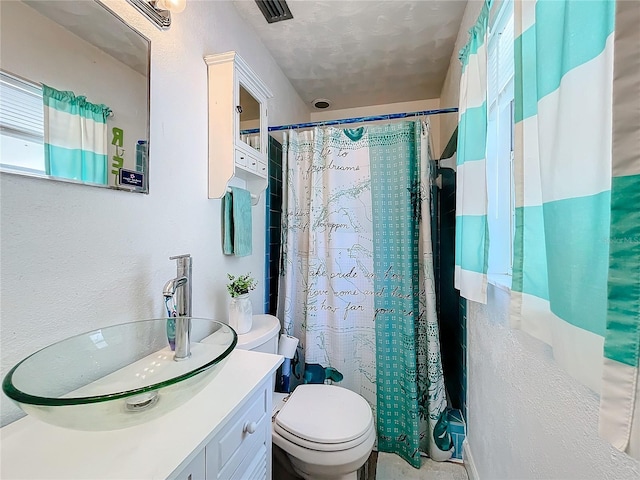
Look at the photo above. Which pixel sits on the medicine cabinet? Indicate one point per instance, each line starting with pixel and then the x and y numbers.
pixel 237 125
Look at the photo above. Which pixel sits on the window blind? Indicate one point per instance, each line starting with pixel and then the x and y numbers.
pixel 21 110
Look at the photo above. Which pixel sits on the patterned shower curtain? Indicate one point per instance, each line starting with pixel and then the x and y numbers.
pixel 573 287
pixel 75 136
pixel 358 275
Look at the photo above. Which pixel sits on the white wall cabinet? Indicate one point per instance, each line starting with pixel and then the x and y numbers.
pixel 238 125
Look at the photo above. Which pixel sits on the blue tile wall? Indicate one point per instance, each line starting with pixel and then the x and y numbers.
pixel 452 329
pixel 452 310
pixel 273 223
pixel 463 380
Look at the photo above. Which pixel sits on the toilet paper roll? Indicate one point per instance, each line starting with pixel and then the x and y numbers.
pixel 287 346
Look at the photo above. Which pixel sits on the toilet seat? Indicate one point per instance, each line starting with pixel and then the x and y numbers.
pixel 322 447
pixel 324 418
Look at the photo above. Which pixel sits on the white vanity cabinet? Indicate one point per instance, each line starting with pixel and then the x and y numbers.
pixel 242 448
pixel 222 433
pixel 195 470
pixel 238 126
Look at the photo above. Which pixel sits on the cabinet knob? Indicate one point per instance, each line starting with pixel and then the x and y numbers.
pixel 250 427
pixel 239 108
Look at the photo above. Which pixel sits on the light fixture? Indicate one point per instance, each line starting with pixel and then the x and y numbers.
pixel 321 103
pixel 159 11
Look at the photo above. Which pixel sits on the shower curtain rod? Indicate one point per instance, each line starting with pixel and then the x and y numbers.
pixel 372 118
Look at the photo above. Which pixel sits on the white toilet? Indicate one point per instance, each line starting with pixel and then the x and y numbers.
pixel 327 431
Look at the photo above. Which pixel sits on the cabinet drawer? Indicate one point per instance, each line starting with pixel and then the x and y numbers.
pixel 227 450
pixel 252 164
pixel 263 169
pixel 242 158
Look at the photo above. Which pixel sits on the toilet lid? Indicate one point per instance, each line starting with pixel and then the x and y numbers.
pixel 325 414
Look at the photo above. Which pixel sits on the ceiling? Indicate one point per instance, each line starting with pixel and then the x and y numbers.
pixel 360 52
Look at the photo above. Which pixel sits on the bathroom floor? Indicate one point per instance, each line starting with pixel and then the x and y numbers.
pixel 382 466
pixel 392 467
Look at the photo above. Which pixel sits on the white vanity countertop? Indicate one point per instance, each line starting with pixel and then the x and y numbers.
pixel 32 449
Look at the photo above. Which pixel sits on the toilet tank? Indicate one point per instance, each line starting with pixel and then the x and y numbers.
pixel 263 336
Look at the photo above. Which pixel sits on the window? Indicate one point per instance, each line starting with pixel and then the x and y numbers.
pixel 21 125
pixel 500 144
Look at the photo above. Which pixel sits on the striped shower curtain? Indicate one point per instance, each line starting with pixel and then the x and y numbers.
pixel 75 137
pixel 472 235
pixel 620 399
pixel 572 287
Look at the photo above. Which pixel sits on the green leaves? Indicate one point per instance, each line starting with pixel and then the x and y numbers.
pixel 241 284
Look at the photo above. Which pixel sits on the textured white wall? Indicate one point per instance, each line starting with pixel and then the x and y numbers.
pixel 528 419
pixel 74 258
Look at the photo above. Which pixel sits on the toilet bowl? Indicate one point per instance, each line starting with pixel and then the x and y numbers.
pixel 327 431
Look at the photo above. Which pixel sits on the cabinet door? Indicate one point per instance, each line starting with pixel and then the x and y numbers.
pixel 234 450
pixel 195 470
pixel 255 465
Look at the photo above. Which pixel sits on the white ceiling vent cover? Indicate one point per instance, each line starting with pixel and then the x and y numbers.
pixel 274 10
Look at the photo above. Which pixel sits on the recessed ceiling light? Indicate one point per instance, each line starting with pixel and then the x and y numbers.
pixel 321 103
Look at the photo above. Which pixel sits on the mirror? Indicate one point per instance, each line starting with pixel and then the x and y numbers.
pixel 249 119
pixel 74 94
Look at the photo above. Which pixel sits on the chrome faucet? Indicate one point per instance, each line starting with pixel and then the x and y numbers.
pixel 180 289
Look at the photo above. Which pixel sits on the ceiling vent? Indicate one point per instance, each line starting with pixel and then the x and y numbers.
pixel 274 10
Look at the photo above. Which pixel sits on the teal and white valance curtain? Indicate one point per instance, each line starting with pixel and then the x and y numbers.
pixel 570 289
pixel 358 275
pixel 472 235
pixel 75 136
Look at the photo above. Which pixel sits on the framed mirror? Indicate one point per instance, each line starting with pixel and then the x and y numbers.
pixel 74 94
pixel 249 119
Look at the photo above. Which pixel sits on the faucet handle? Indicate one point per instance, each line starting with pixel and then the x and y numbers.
pixel 177 257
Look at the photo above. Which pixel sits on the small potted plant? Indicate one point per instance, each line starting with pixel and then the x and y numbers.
pixel 241 285
pixel 240 308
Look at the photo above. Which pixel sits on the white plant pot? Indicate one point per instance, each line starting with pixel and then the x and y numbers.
pixel 241 314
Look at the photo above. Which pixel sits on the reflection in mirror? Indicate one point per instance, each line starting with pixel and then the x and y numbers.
pixel 74 94
pixel 249 119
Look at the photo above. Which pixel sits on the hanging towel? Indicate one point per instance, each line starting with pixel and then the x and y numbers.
pixel 237 223
pixel 227 244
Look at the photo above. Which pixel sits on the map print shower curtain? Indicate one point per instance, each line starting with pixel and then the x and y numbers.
pixel 358 275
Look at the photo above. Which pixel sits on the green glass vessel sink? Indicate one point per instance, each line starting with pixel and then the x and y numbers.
pixel 117 376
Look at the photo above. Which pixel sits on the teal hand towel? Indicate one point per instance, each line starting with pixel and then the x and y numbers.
pixel 227 244
pixel 237 223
